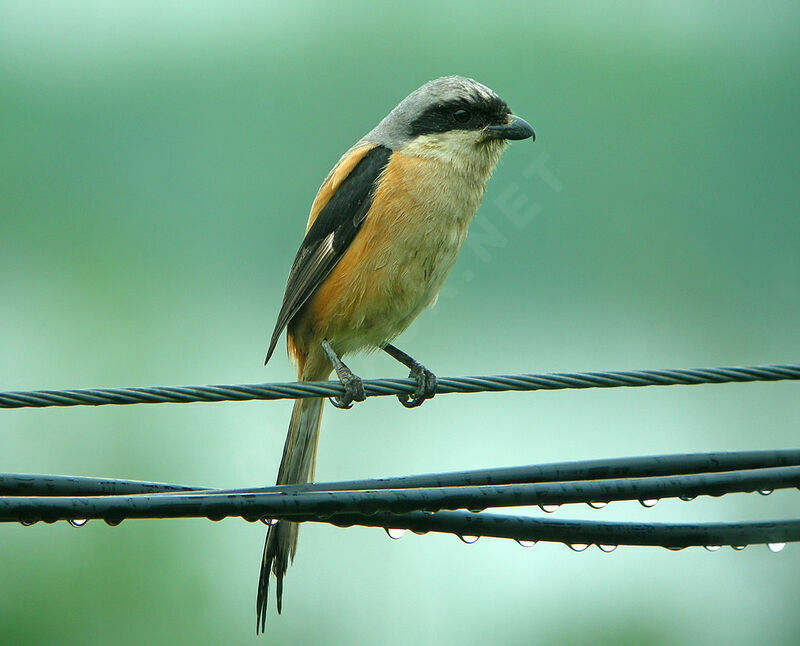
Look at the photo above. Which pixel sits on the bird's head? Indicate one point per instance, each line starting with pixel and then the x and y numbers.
pixel 453 119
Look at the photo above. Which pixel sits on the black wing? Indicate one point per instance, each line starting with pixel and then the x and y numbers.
pixel 329 236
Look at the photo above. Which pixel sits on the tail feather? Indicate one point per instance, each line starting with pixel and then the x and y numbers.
pixel 297 466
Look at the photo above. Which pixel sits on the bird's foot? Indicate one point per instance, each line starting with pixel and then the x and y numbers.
pixel 353 390
pixel 426 387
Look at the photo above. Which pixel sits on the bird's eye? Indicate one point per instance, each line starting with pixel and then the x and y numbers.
pixel 462 116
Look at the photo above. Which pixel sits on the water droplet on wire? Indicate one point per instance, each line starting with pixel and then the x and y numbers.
pixel 578 547
pixel 526 543
pixel 775 547
pixel 395 533
pixel 549 509
pixel 77 522
pixel 269 521
pixel 765 492
pixel 597 504
pixel 607 548
pixel 649 502
pixel 469 540
pixel 713 548
pixel 738 548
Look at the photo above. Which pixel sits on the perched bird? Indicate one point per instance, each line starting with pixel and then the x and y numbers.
pixel 383 233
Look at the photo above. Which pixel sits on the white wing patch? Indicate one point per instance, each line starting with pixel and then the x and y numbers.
pixel 327 243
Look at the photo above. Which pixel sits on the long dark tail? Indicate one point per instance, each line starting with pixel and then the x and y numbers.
pixel 297 466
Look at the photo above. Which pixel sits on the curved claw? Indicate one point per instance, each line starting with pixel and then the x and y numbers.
pixel 353 392
pixel 341 403
pixel 426 387
pixel 409 401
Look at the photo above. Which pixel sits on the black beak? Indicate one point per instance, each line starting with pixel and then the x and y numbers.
pixel 514 129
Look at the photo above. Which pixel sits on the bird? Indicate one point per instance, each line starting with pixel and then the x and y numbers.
pixel 383 232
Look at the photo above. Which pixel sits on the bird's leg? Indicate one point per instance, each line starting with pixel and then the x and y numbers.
pixel 426 380
pixel 353 388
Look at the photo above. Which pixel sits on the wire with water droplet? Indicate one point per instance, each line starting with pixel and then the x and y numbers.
pixel 31 484
pixel 295 500
pixel 395 503
pixel 29 498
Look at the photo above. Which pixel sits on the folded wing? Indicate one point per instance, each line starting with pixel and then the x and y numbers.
pixel 332 230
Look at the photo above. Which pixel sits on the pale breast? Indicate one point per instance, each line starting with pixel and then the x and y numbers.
pixel 432 231
pixel 425 211
pixel 398 261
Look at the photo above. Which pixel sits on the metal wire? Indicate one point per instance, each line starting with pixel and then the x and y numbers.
pixel 379 387
pixel 34 484
pixel 25 484
pixel 289 503
pixel 465 524
pixel 425 503
pixel 579 534
pixel 421 503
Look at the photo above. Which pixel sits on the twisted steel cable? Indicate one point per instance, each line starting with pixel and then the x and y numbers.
pixel 380 387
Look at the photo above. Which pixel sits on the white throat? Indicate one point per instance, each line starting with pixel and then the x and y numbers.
pixel 459 148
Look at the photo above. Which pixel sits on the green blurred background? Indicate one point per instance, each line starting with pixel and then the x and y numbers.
pixel 158 163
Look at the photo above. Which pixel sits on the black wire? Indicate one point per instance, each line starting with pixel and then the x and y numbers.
pixel 18 484
pixel 317 505
pixel 579 533
pixel 32 484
